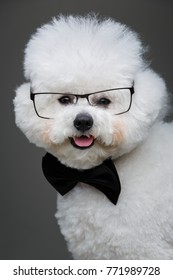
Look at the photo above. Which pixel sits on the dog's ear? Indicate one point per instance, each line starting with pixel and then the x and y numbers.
pixel 151 96
pixel 25 115
pixel 22 101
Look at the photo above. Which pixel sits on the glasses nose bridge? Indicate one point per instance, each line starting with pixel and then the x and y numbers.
pixel 83 97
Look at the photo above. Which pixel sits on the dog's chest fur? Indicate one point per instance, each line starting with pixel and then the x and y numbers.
pixel 140 226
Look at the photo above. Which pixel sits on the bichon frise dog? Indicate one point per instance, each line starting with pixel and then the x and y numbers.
pixel 96 107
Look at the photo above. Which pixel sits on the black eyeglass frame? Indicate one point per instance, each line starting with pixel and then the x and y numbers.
pixel 32 97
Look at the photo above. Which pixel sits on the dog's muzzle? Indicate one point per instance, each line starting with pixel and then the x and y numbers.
pixel 83 122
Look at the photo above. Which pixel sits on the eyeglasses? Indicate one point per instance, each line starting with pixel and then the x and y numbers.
pixel 119 100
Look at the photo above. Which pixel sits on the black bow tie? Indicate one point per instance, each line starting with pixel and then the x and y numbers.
pixel 103 177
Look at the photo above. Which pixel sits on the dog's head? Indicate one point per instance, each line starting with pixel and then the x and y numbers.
pixel 89 93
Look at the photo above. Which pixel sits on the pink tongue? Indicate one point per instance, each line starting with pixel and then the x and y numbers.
pixel 84 141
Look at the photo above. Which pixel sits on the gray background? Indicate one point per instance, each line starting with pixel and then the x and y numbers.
pixel 27 201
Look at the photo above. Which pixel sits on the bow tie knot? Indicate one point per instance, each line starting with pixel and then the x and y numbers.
pixel 103 177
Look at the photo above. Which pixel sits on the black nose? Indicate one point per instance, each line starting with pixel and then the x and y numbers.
pixel 83 122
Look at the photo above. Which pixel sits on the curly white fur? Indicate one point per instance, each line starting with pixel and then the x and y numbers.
pixel 82 55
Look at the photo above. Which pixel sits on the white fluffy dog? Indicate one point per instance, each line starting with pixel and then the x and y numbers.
pixel 94 99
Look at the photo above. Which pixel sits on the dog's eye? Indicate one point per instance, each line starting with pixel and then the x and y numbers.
pixel 65 100
pixel 103 101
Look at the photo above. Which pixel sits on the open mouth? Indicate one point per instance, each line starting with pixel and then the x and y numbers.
pixel 82 142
